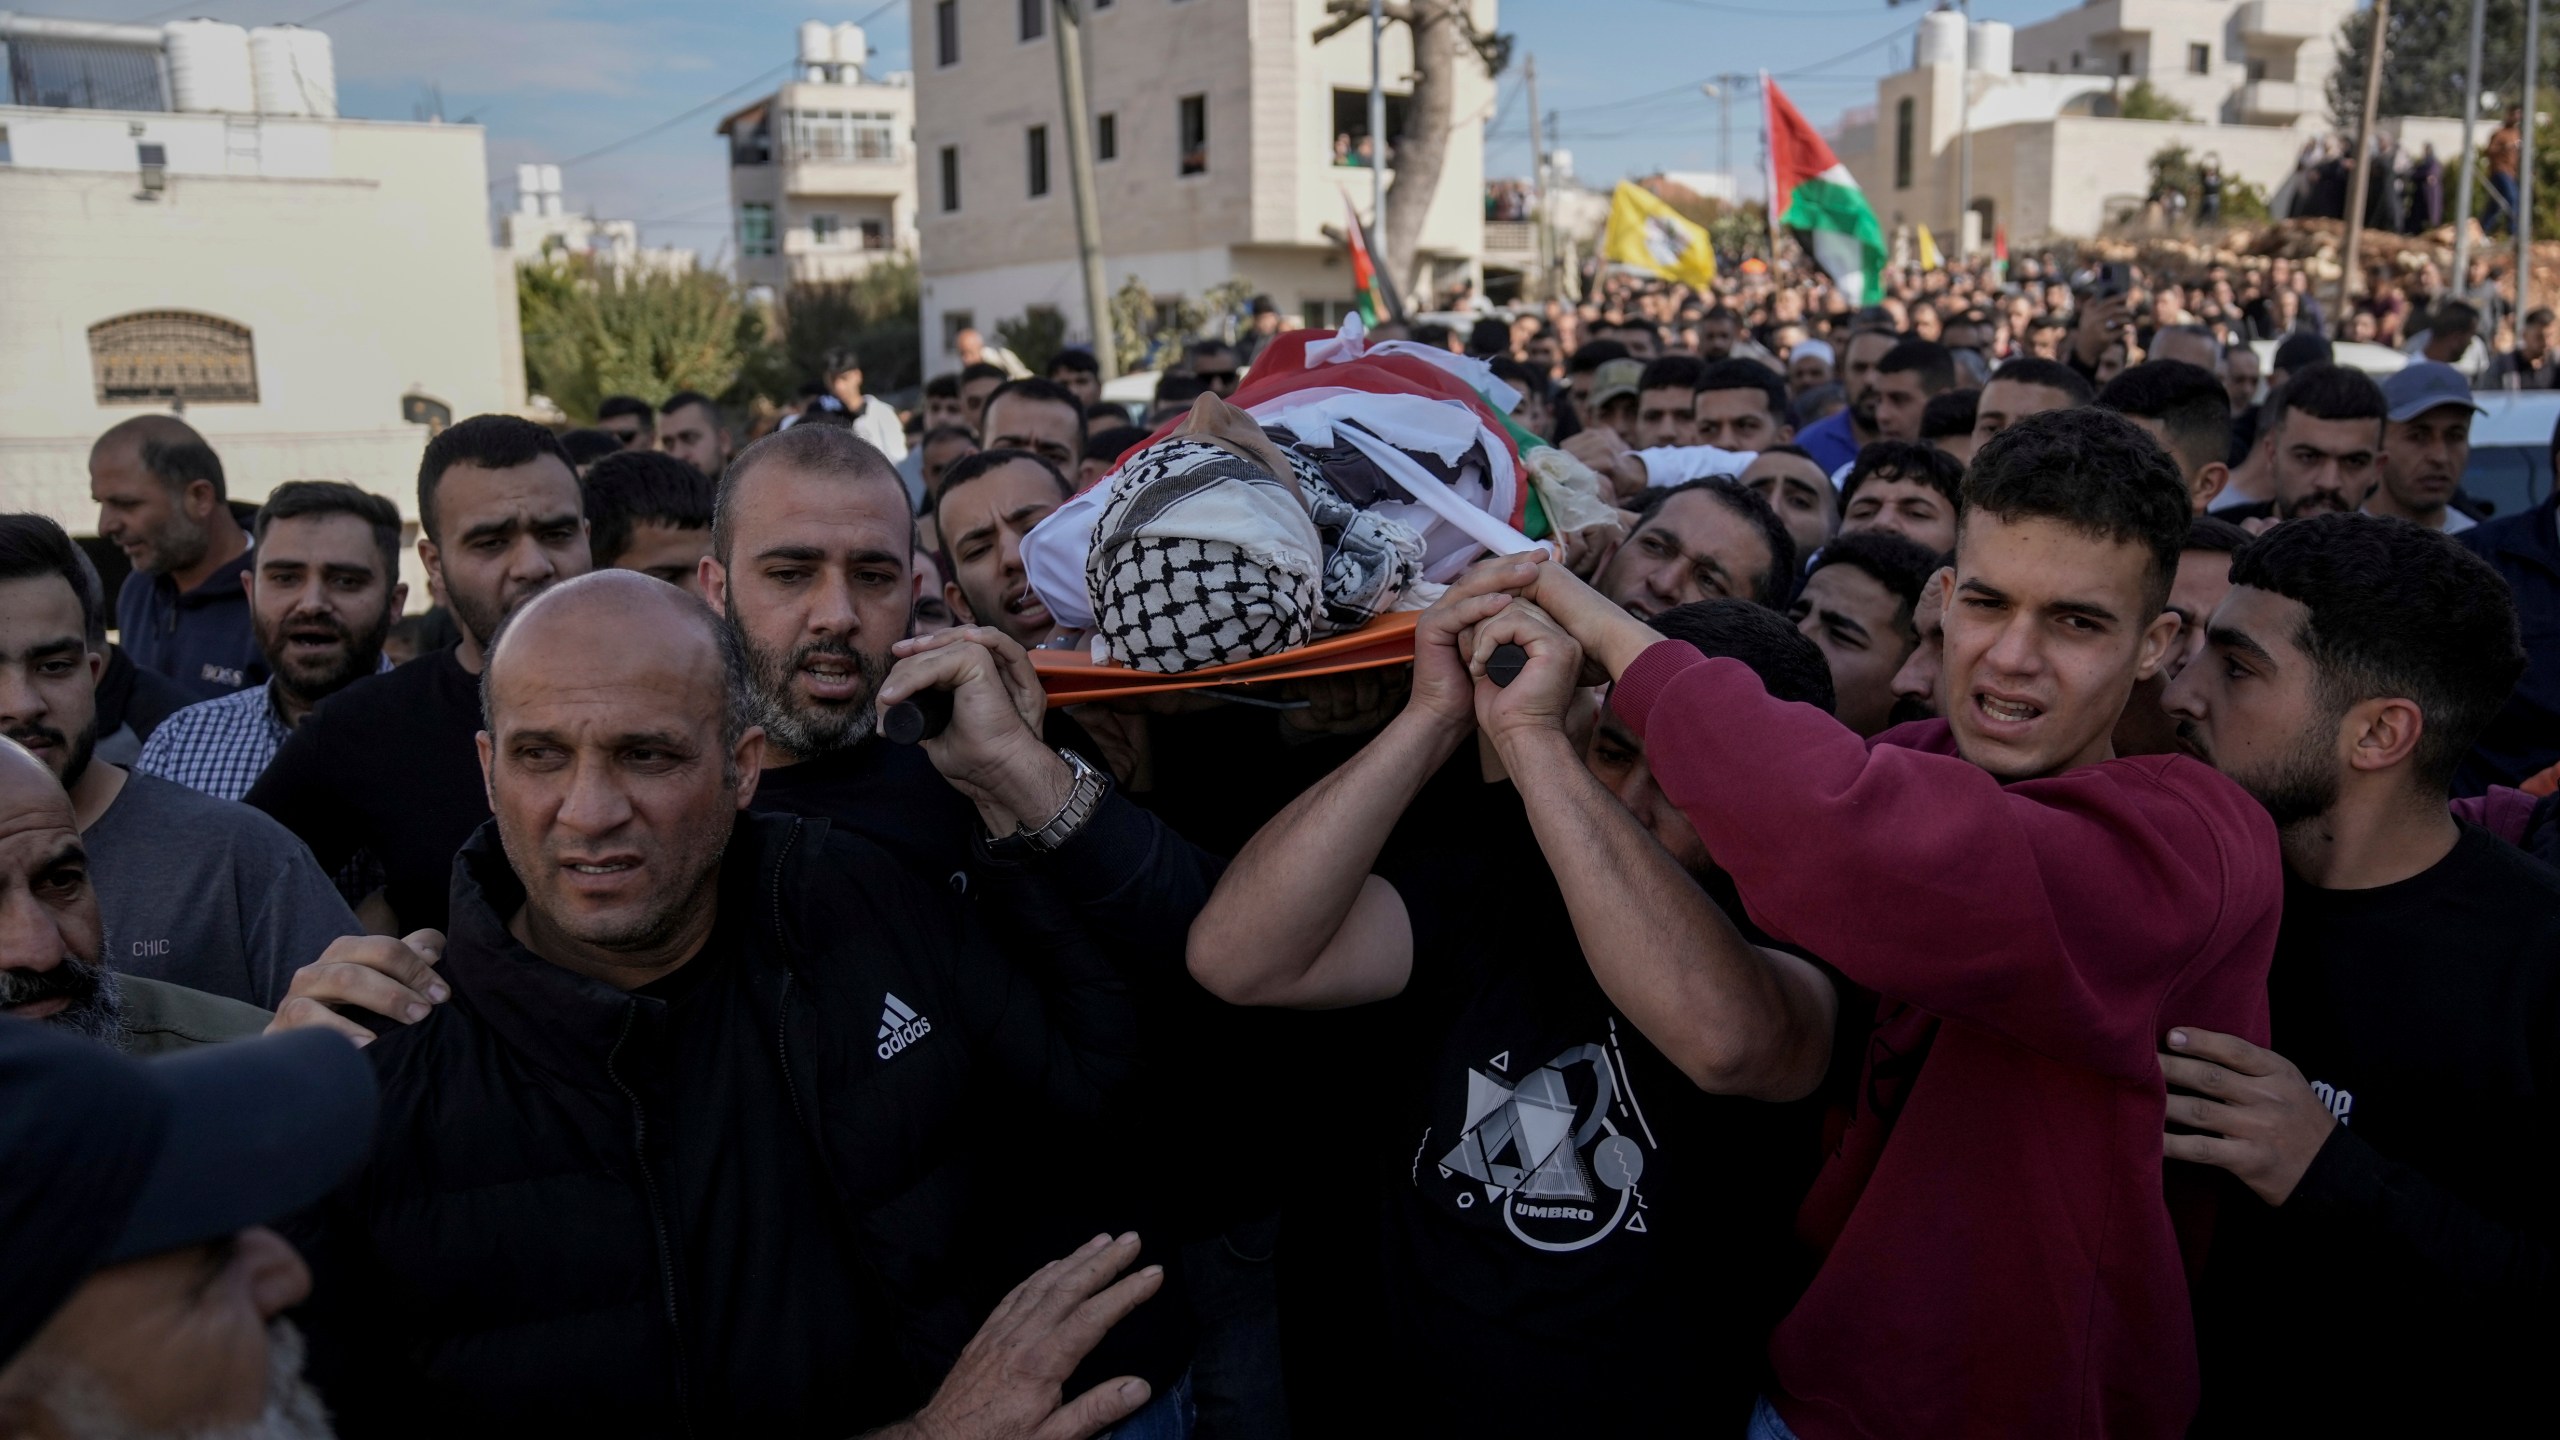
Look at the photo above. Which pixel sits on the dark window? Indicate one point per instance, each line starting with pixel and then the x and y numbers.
pixel 2199 59
pixel 950 178
pixel 2257 70
pixel 1035 18
pixel 826 229
pixel 946 32
pixel 2124 63
pixel 752 143
pixel 1106 136
pixel 1193 112
pixel 755 229
pixel 875 235
pixel 158 355
pixel 1902 127
pixel 1037 141
pixel 1351 125
pixel 84 75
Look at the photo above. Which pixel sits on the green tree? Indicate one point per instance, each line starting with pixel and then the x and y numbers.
pixel 2145 102
pixel 590 331
pixel 878 315
pixel 2422 71
pixel 1149 333
pixel 1035 336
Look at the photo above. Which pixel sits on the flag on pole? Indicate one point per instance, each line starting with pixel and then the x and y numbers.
pixel 2000 252
pixel 1930 259
pixel 1375 295
pixel 1814 195
pixel 1648 235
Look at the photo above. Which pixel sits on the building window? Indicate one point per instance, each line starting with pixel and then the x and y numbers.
pixel 950 178
pixel 875 234
pixel 755 229
pixel 842 135
pixel 83 75
pixel 1352 143
pixel 154 356
pixel 2124 63
pixel 2257 71
pixel 1037 140
pixel 1193 118
pixel 751 143
pixel 2199 59
pixel 953 322
pixel 2075 62
pixel 1902 127
pixel 826 229
pixel 1034 17
pixel 946 33
pixel 1106 136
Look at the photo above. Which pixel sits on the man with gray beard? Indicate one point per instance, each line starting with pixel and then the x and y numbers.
pixel 141 1292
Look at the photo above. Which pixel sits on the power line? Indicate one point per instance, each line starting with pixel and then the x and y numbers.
pixel 760 78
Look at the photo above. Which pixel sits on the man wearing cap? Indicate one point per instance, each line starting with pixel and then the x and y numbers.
pixel 141 1292
pixel 2426 445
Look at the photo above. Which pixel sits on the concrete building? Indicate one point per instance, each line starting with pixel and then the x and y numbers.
pixel 317 294
pixel 2052 154
pixel 1216 130
pixel 822 173
pixel 542 226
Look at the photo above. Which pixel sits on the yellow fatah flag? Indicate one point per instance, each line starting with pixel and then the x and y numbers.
pixel 1648 235
pixel 1930 259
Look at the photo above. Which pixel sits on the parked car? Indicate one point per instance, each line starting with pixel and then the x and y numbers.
pixel 2511 451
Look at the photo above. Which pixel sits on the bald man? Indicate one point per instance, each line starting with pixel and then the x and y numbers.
pixel 53 964
pixel 184 611
pixel 693 1140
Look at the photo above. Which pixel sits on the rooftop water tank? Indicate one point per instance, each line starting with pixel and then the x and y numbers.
pixel 853 50
pixel 817 49
pixel 296 69
pixel 1941 40
pixel 1993 41
pixel 209 67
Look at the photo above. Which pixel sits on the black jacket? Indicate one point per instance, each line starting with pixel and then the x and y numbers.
pixel 2525 737
pixel 752 1206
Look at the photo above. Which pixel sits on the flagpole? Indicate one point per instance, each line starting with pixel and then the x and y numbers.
pixel 1768 175
pixel 1378 126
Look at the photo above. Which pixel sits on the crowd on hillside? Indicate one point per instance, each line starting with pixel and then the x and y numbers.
pixel 1979 863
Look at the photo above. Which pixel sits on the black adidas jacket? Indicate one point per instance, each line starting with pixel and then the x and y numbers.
pixel 752 1205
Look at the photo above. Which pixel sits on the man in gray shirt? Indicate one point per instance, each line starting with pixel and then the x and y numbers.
pixel 200 892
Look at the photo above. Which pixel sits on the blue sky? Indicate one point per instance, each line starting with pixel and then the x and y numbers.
pixel 561 80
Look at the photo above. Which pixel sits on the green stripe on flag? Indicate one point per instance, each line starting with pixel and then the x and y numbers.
pixel 1842 210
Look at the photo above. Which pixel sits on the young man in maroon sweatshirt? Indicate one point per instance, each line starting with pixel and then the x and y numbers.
pixel 1998 1251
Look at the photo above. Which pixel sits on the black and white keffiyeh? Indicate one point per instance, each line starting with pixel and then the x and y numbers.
pixel 1202 558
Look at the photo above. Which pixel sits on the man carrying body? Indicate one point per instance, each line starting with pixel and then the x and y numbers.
pixel 200 892
pixel 2426 445
pixel 1912 490
pixel 1856 608
pixel 690 428
pixel 649 512
pixel 2398 1135
pixel 184 611
pixel 989 502
pixel 386 766
pixel 1536 1230
pixel 323 596
pixel 1701 540
pixel 1800 491
pixel 2010 1102
pixel 2321 442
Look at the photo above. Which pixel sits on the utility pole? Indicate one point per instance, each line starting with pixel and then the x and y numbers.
pixel 1079 138
pixel 1378 138
pixel 1964 131
pixel 2524 163
pixel 2360 173
pixel 2470 151
pixel 1538 185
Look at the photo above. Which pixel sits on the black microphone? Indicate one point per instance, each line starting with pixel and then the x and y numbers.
pixel 917 718
pixel 1505 663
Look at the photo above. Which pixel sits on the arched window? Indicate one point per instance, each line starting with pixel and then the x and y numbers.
pixel 153 356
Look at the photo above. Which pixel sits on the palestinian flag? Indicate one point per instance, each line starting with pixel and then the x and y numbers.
pixel 1376 293
pixel 1812 193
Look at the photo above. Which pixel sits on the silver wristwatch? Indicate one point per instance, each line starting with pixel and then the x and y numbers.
pixel 1084 796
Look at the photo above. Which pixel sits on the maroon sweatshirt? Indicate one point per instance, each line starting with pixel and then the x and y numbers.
pixel 1999 1256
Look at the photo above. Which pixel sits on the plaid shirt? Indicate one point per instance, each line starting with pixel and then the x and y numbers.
pixel 219 746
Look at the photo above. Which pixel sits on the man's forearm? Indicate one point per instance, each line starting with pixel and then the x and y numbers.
pixel 1735 1019
pixel 1289 890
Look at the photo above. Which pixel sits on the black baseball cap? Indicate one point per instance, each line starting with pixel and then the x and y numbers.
pixel 105 1159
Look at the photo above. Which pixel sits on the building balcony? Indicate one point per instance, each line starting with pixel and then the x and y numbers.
pixel 2282 21
pixel 2277 102
pixel 1510 241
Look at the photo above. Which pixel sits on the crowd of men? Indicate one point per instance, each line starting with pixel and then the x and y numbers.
pixel 2018 899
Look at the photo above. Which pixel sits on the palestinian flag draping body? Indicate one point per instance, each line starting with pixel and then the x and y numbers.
pixel 1376 294
pixel 1812 193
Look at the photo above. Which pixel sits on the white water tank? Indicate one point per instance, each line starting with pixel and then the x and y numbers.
pixel 817 50
pixel 1993 42
pixel 853 51
pixel 551 202
pixel 1941 40
pixel 209 68
pixel 297 71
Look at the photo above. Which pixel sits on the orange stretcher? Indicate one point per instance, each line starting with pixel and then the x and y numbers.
pixel 1071 677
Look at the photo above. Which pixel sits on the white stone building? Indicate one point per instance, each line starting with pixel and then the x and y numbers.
pixel 542 226
pixel 188 229
pixel 2052 155
pixel 822 173
pixel 1215 129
